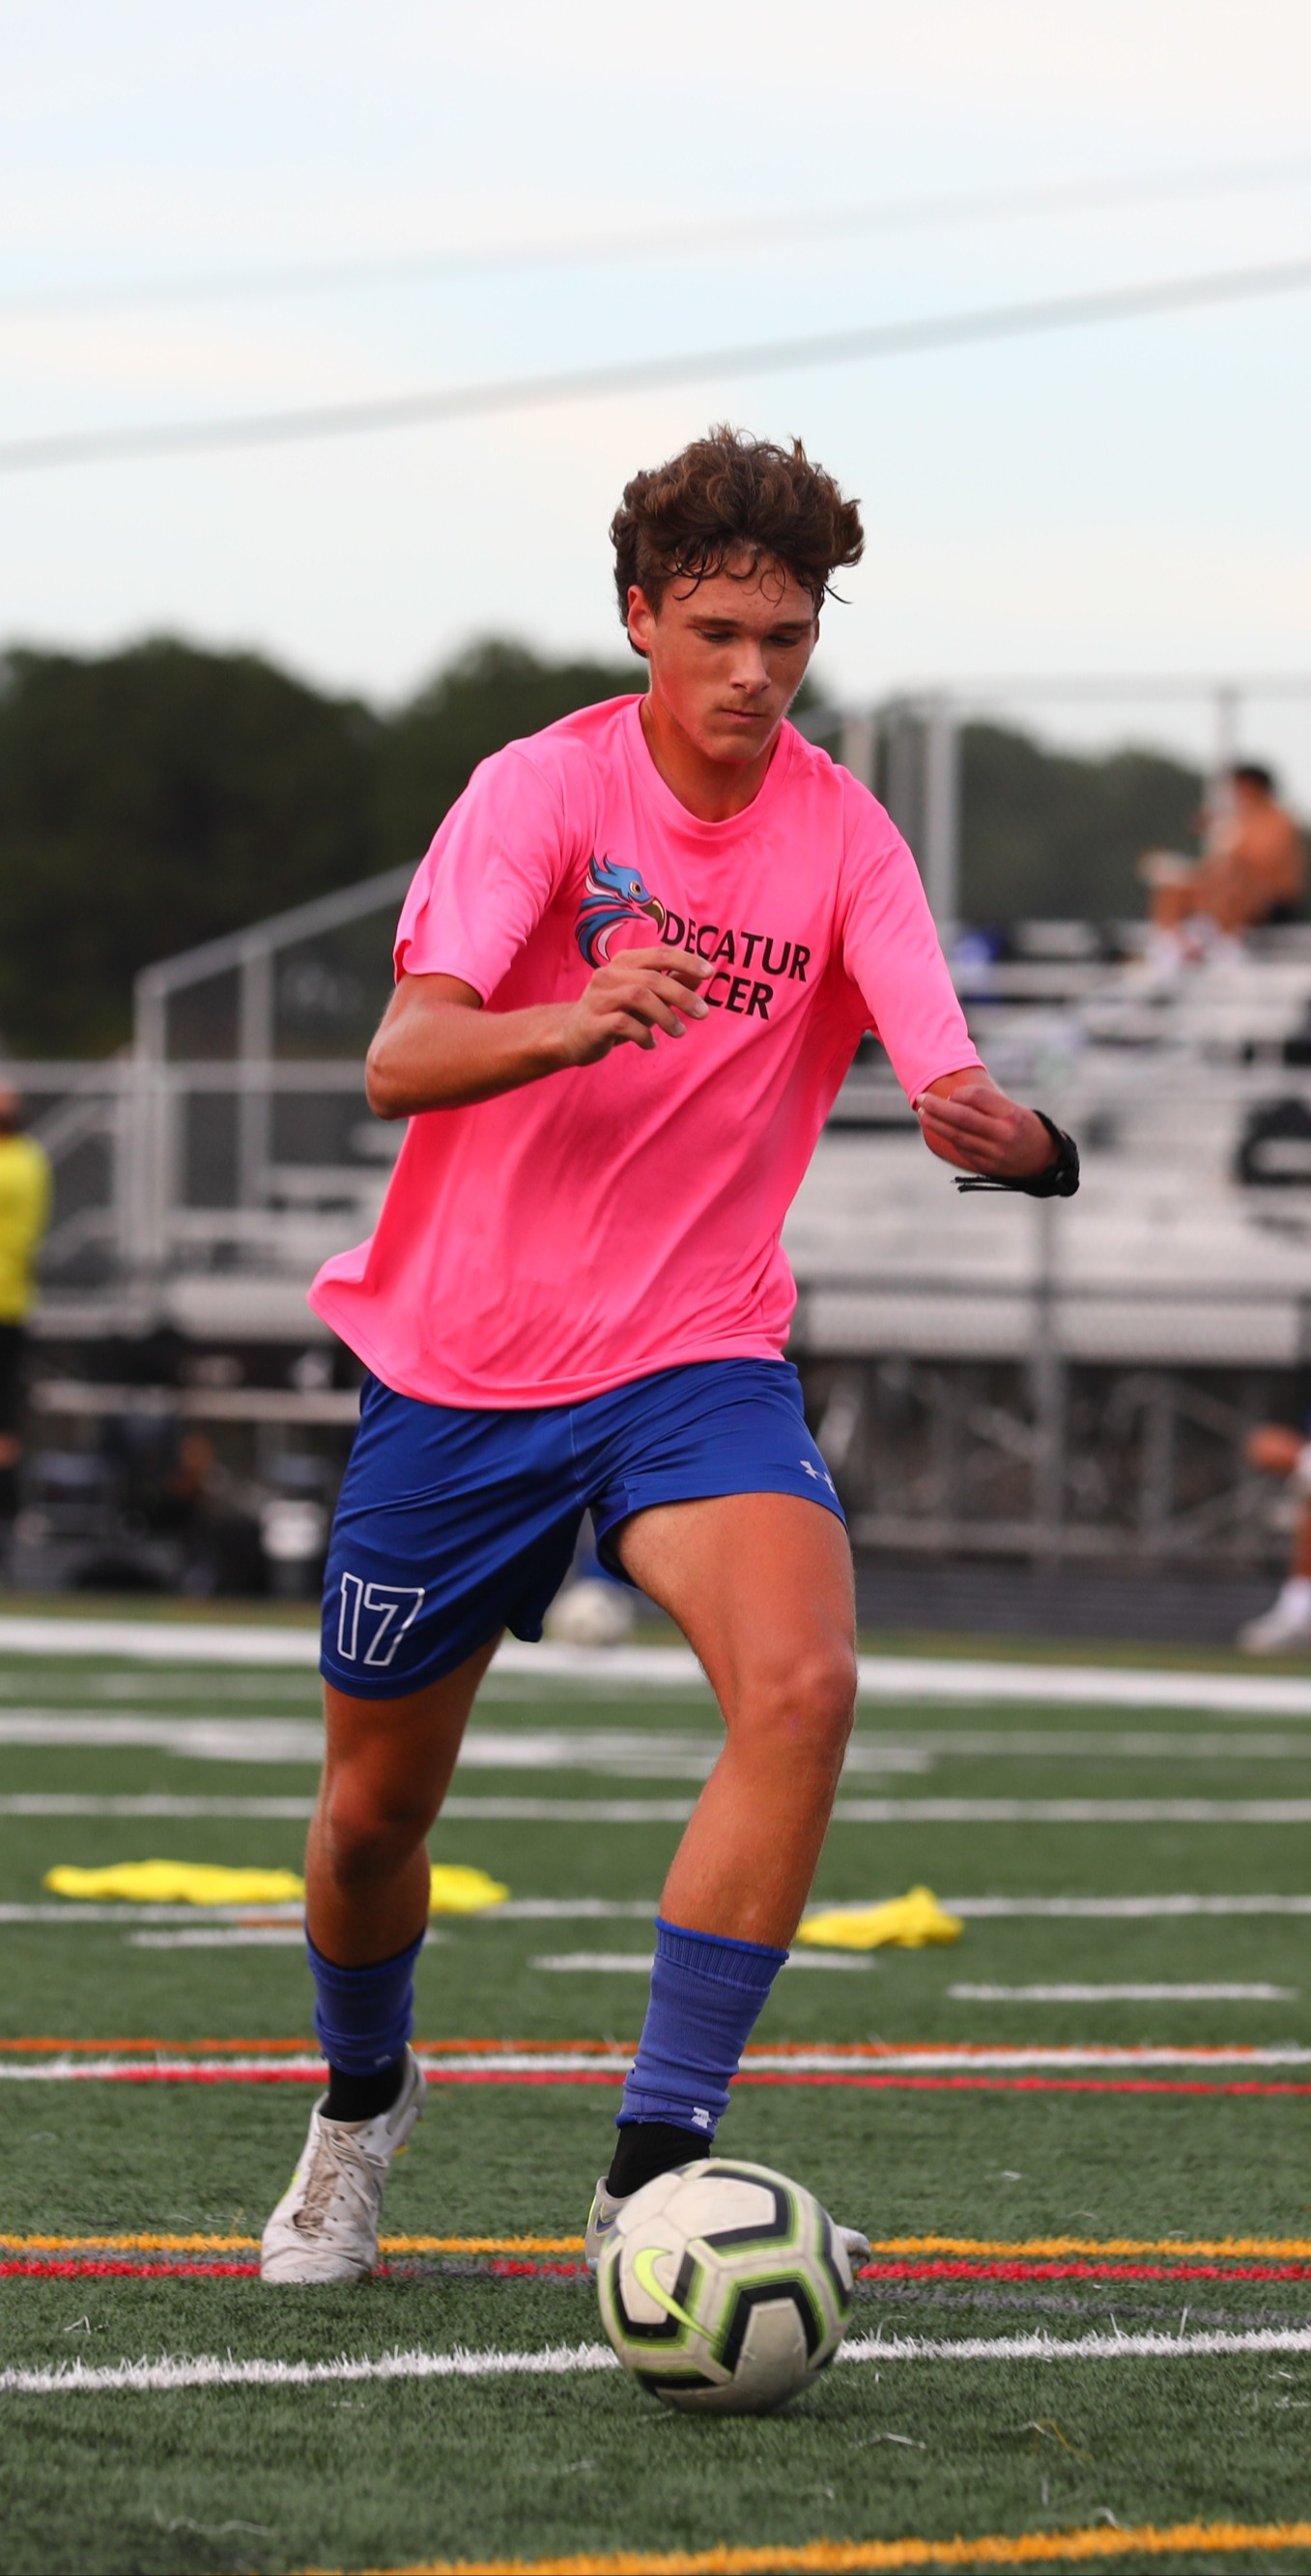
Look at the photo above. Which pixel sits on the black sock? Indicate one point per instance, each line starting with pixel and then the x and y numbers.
pixel 646 2148
pixel 362 2097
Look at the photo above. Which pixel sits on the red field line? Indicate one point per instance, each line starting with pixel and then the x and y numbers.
pixel 526 2268
pixel 860 2052
pixel 946 2271
pixel 991 2083
pixel 103 2269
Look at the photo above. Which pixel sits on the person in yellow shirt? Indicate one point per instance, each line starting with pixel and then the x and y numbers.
pixel 24 1215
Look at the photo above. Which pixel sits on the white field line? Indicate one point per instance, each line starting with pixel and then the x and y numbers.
pixel 196 1739
pixel 610 1753
pixel 79 1683
pixel 88 1916
pixel 674 1811
pixel 1066 1811
pixel 40 1802
pixel 238 1936
pixel 960 2057
pixel 1119 1994
pixel 623 1962
pixel 161 1641
pixel 906 1677
pixel 614 1753
pixel 881 1676
pixel 94 2070
pixel 227 1936
pixel 1088 2347
pixel 603 1909
pixel 653 1752
pixel 575 1811
pixel 588 1909
pixel 1176 1744
pixel 212 2370
pixel 457 1810
pixel 1105 1909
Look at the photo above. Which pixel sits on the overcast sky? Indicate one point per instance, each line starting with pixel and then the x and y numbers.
pixel 1132 497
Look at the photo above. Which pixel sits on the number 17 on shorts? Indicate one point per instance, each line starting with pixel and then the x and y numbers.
pixel 373 1619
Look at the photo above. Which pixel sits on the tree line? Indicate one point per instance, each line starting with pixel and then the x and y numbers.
pixel 161 795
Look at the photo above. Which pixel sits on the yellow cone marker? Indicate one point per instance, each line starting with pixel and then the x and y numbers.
pixel 905 1923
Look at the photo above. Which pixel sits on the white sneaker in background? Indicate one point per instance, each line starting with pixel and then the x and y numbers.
pixel 325 2227
pixel 1286 1626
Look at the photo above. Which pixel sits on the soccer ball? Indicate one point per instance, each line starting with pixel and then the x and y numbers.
pixel 724 2287
pixel 591 1613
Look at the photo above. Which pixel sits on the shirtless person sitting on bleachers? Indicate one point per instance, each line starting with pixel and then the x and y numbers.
pixel 1254 872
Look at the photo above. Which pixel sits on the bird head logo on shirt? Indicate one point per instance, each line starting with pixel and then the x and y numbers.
pixel 613 894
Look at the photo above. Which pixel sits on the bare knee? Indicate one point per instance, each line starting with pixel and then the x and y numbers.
pixel 368 1829
pixel 800 1714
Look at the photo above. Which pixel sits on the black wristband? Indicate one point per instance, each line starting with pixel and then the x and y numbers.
pixel 1060 1180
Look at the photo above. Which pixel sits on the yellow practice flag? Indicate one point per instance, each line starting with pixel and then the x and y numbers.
pixel 455 1889
pixel 179 1882
pixel 905 1922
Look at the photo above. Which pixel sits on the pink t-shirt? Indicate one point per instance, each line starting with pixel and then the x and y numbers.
pixel 625 1216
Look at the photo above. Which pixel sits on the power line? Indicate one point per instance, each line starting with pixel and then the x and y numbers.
pixel 763 231
pixel 523 393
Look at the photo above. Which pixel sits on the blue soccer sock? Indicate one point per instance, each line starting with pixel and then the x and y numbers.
pixel 707 1993
pixel 363 2018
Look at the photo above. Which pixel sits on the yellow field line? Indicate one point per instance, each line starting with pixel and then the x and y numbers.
pixel 161 2244
pixel 1015 2249
pixel 833 2557
pixel 481 2244
pixel 154 2244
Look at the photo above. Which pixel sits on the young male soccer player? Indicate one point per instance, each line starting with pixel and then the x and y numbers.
pixel 631 974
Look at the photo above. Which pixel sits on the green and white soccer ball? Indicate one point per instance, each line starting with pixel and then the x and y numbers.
pixel 724 2288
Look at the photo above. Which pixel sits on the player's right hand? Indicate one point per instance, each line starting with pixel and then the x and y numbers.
pixel 630 998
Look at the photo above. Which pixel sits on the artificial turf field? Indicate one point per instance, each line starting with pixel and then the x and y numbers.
pixel 1142 2218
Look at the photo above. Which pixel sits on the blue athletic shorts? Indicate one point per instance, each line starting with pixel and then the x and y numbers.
pixel 454 1524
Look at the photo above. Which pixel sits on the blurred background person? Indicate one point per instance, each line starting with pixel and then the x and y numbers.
pixel 1286 1626
pixel 24 1215
pixel 1253 872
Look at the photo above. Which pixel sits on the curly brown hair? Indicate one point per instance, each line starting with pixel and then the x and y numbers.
pixel 730 496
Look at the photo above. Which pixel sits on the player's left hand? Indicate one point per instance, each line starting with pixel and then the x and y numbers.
pixel 972 1124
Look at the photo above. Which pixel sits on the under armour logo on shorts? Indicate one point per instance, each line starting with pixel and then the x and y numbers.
pixel 817 1475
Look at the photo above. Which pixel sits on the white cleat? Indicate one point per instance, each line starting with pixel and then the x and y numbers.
pixel 606 2207
pixel 1279 1631
pixel 600 2222
pixel 325 2227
